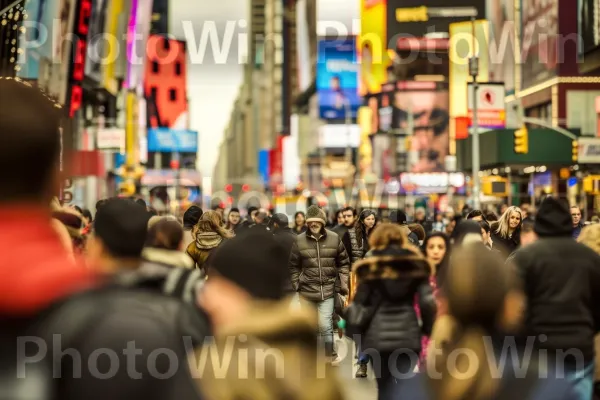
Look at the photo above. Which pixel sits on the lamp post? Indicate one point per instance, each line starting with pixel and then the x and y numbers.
pixel 474 72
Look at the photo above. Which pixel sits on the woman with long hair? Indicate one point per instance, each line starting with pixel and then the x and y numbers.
pixel 507 234
pixel 299 223
pixel 358 236
pixel 485 305
pixel 208 234
pixel 382 310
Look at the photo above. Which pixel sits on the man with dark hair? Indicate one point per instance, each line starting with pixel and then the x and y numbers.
pixel 190 219
pixel 41 290
pixel 349 217
pixel 476 215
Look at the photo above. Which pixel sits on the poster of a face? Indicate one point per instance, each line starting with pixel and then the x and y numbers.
pixel 430 118
pixel 501 14
pixel 540 41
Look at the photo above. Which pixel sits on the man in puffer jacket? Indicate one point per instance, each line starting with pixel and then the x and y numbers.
pixel 319 268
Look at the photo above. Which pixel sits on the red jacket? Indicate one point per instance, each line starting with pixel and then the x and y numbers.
pixel 35 270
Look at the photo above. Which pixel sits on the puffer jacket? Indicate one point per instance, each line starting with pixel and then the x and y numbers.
pixel 387 284
pixel 357 251
pixel 203 247
pixel 319 268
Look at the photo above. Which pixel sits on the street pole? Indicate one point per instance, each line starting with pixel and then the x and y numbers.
pixel 474 71
pixel 177 167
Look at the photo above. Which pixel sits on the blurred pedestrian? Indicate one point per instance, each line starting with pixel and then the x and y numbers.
pixel 210 233
pixel 244 298
pixel 562 286
pixel 577 221
pixel 399 217
pixel 382 312
pixel 299 223
pixel 190 219
pixel 284 235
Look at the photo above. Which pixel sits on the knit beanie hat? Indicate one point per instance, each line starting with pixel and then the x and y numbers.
pixel 553 219
pixel 255 261
pixel 315 214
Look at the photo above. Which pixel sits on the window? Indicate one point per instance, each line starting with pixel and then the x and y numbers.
pixel 154 92
pixel 178 68
pixel 173 94
pixel 155 67
pixel 166 44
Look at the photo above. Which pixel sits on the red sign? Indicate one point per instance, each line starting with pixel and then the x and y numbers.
pixel 78 65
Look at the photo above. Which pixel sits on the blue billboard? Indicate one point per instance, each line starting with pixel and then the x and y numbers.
pixel 263 165
pixel 165 140
pixel 337 79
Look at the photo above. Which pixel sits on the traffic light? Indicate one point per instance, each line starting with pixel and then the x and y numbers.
pixel 521 138
pixel 575 151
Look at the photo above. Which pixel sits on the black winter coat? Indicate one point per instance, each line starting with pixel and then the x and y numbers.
pixel 507 245
pixel 562 283
pixel 287 238
pixel 319 268
pixel 389 282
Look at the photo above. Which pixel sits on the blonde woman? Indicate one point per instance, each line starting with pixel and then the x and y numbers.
pixel 507 235
pixel 208 233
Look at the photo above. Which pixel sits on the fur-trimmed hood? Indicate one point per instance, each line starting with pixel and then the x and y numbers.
pixel 208 240
pixel 393 263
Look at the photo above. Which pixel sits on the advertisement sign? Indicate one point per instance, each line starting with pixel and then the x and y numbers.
pixel 303 46
pixel 539 38
pixel 491 108
pixel 588 20
pixel 461 48
pixel 417 18
pixel 418 184
pixel 372 46
pixel 263 166
pixel 35 40
pixel 111 50
pixel 164 140
pixel 337 79
pixel 589 150
pixel 138 31
pixel 76 69
pixel 501 14
pixel 63 49
pixel 110 138
pixel 339 136
pixel 93 65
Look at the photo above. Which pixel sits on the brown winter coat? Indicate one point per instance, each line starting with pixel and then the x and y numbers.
pixel 203 247
pixel 232 367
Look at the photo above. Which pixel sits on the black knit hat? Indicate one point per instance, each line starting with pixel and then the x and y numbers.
pixel 256 262
pixel 398 217
pixel 191 217
pixel 553 219
pixel 122 226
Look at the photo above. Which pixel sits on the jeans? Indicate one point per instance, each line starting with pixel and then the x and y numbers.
pixel 582 381
pixel 363 358
pixel 325 310
pixel 392 369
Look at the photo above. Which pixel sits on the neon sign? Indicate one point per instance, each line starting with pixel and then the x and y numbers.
pixel 82 27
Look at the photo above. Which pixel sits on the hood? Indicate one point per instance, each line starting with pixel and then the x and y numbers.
pixel 274 321
pixel 553 219
pixel 168 257
pixel 35 269
pixel 393 263
pixel 208 240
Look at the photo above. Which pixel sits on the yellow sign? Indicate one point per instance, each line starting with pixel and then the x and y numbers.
pixel 461 45
pixel 591 184
pixel 112 46
pixel 495 186
pixel 372 46
pixel 415 14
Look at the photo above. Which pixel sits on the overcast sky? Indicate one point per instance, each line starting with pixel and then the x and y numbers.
pixel 213 79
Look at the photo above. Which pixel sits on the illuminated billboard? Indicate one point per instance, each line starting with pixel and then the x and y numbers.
pixel 372 46
pixel 137 36
pixel 337 79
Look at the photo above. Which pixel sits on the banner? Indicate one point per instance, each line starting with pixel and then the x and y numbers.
pixel 501 14
pixel 164 140
pixel 373 46
pixel 337 79
pixel 138 31
pixel 112 49
pixel 93 65
pixel 539 38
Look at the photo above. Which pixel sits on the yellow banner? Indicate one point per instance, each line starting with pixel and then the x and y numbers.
pixel 372 46
pixel 462 42
pixel 112 46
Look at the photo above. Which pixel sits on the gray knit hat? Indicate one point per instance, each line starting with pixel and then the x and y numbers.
pixel 315 214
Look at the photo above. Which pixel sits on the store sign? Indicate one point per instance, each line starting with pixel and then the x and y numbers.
pixel 589 150
pixel 491 109
pixel 164 140
pixel 111 138
pixel 438 182
pixel 82 26
pixel 339 136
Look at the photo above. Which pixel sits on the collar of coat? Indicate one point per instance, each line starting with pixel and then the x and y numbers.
pixel 310 234
pixel 274 321
pixel 393 263
pixel 174 258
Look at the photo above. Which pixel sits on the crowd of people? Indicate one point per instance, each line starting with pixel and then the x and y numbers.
pixel 123 303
